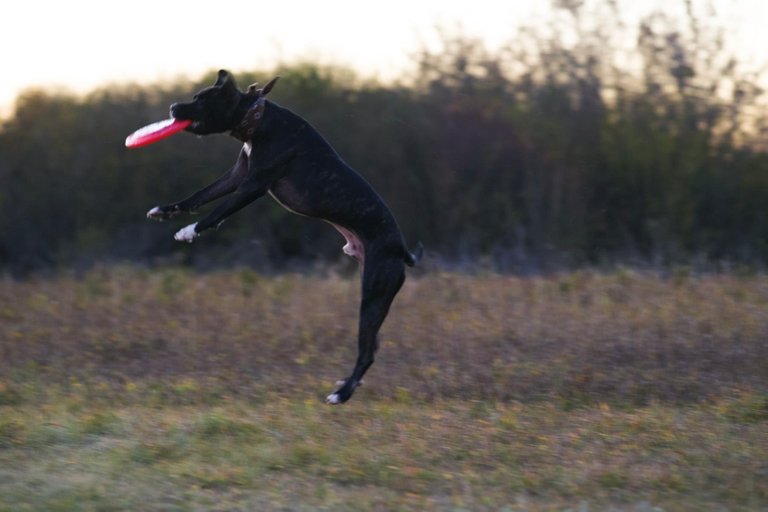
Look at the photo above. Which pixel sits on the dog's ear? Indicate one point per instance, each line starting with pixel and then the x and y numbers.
pixel 269 86
pixel 222 77
pixel 226 81
pixel 253 89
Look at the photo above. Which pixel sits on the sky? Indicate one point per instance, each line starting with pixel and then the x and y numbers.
pixel 79 45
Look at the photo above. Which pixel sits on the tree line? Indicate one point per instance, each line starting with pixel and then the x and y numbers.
pixel 545 153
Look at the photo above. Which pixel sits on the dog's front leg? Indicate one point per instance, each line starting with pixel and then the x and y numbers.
pixel 225 184
pixel 244 195
pixel 262 172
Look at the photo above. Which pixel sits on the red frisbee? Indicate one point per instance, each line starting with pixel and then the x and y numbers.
pixel 155 132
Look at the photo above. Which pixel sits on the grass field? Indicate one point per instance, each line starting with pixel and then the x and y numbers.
pixel 133 389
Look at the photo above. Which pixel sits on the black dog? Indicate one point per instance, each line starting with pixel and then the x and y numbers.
pixel 286 157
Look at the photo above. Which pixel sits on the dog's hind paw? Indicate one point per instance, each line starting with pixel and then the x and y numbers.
pixel 187 234
pixel 343 393
pixel 333 399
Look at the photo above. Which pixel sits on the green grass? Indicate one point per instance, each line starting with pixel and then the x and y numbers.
pixel 379 454
pixel 127 389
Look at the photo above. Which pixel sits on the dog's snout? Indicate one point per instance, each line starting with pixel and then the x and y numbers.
pixel 173 109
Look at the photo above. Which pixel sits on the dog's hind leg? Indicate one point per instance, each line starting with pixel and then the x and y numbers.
pixel 382 279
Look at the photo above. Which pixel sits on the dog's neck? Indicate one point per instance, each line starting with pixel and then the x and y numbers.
pixel 247 127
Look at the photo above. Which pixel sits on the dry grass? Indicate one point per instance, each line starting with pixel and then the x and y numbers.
pixel 168 390
pixel 578 338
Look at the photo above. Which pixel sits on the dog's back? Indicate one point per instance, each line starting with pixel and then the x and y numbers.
pixel 318 183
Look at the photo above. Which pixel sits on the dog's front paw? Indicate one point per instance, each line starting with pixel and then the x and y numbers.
pixel 187 234
pixel 160 213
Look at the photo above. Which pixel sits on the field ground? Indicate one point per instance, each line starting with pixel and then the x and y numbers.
pixel 134 389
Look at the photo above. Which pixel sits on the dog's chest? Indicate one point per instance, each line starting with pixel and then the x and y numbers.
pixel 285 193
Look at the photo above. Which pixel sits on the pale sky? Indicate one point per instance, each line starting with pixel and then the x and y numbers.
pixel 82 44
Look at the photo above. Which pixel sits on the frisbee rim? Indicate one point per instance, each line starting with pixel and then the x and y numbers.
pixel 156 131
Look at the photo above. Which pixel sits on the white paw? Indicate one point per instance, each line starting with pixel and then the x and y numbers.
pixel 155 213
pixel 187 234
pixel 333 399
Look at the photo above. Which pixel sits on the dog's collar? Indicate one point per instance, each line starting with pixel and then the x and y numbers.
pixel 247 127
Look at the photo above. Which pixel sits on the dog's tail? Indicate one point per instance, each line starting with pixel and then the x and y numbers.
pixel 412 258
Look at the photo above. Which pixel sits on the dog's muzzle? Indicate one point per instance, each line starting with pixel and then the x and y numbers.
pixel 174 110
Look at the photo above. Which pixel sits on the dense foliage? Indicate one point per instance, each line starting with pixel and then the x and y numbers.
pixel 547 153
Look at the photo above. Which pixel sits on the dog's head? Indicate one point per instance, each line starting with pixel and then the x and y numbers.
pixel 220 107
